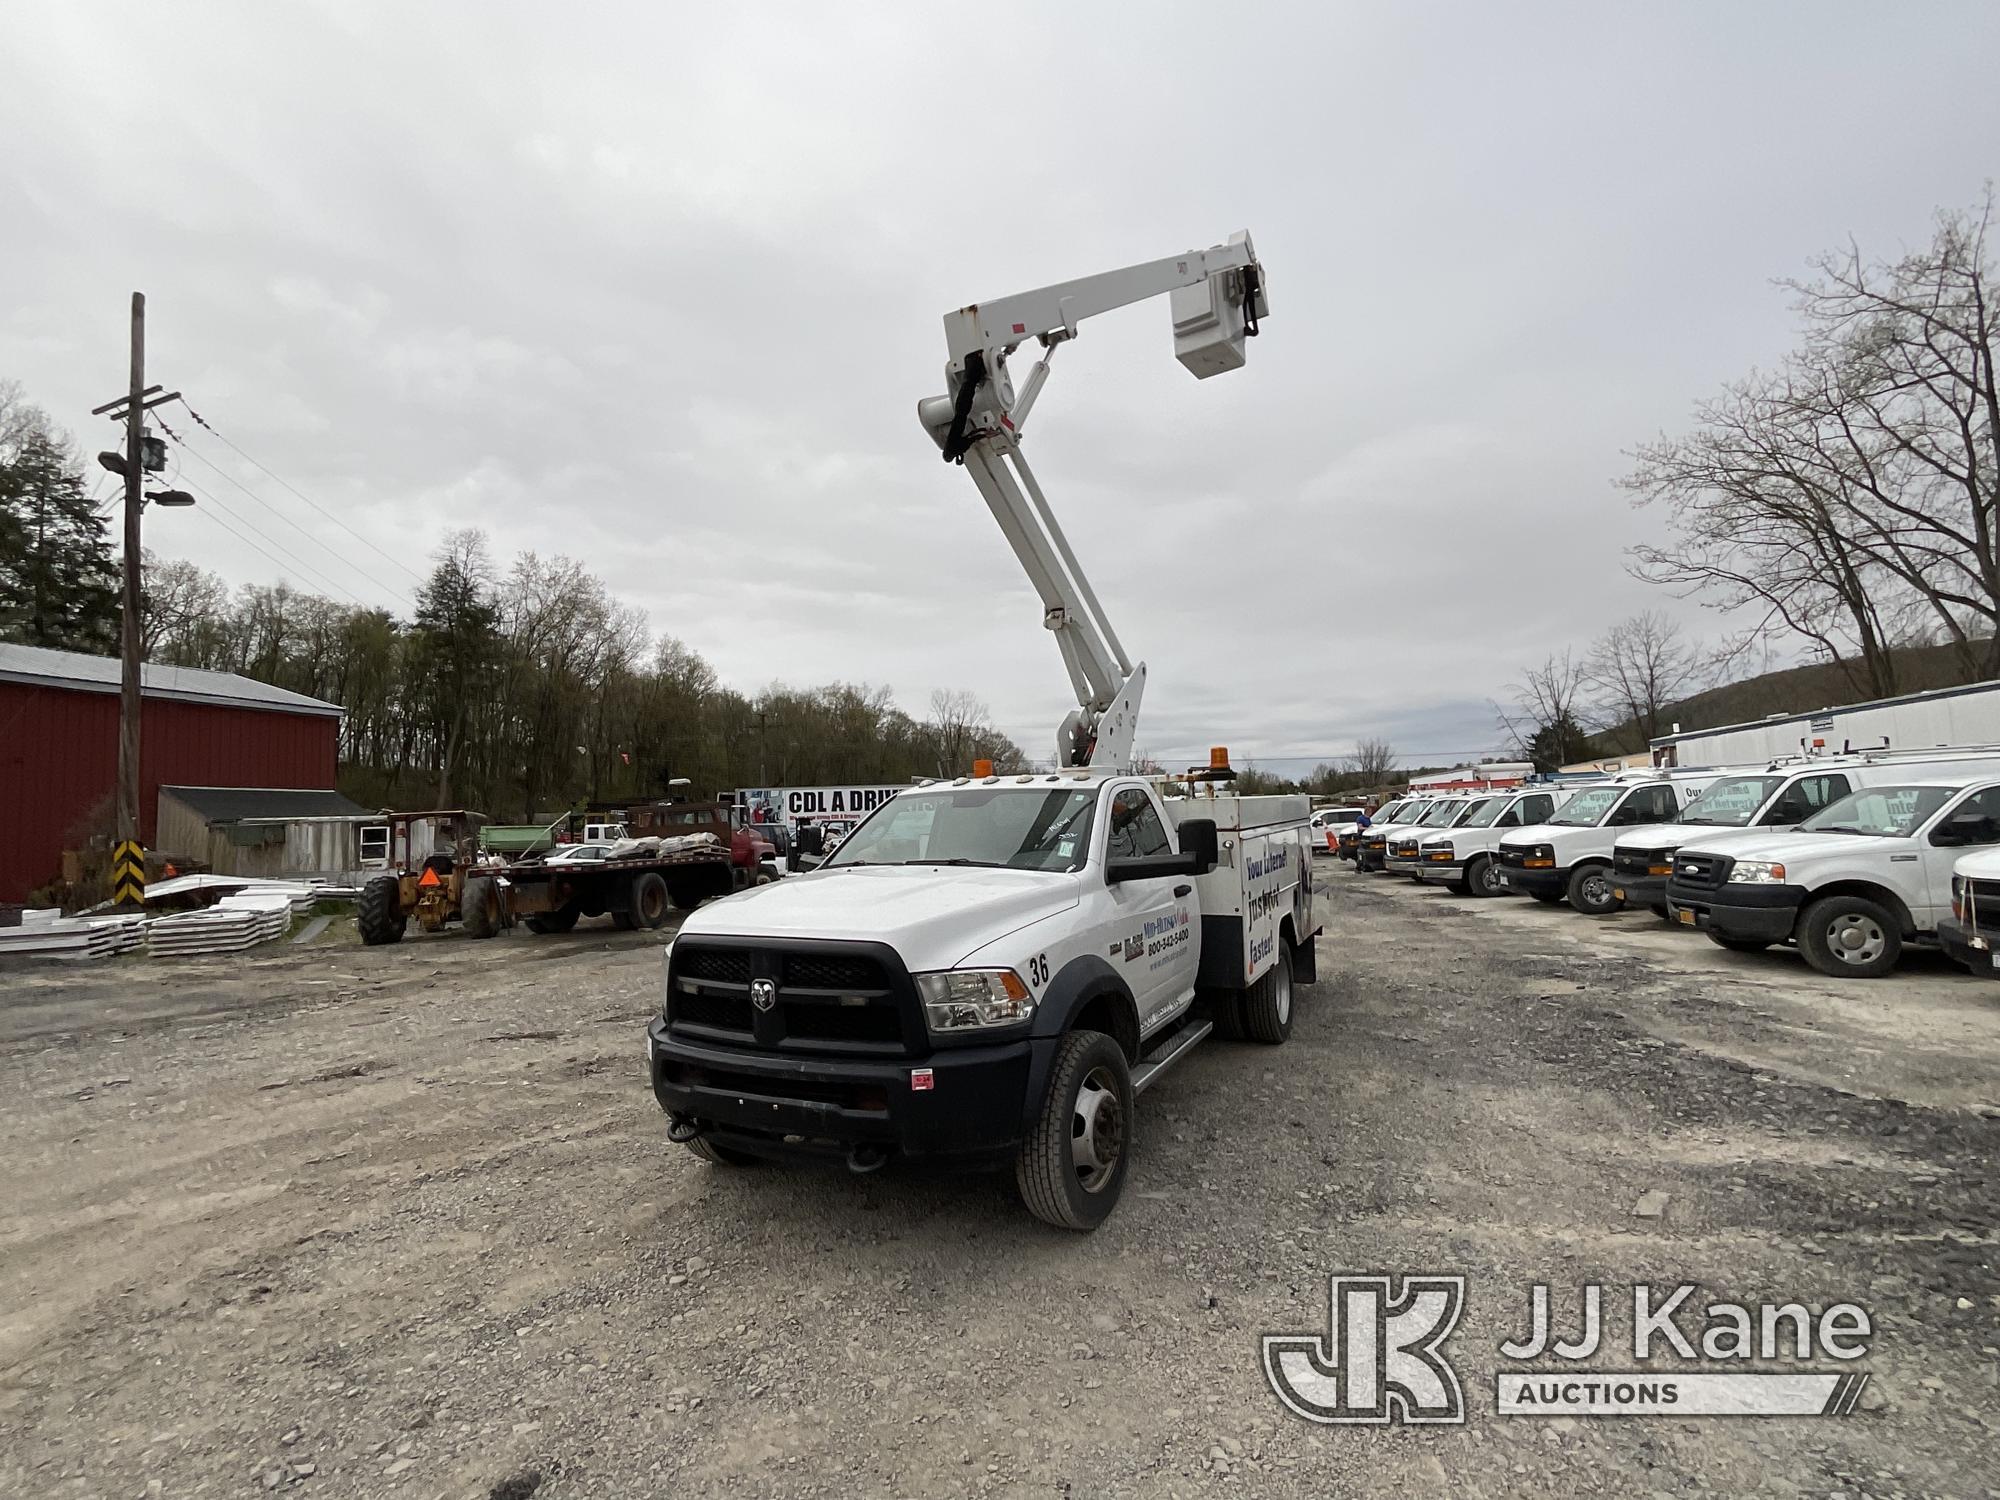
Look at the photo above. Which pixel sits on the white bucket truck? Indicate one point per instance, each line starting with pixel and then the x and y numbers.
pixel 990 970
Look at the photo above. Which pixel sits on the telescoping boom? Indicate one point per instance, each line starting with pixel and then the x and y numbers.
pixel 1218 300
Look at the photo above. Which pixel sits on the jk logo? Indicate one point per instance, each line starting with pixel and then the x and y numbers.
pixel 1380 1361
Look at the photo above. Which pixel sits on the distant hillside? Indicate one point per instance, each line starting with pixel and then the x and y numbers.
pixel 1796 690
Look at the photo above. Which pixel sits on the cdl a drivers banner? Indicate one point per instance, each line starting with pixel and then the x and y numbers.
pixel 791 803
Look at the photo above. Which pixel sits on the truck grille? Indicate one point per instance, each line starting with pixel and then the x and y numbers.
pixel 825 998
pixel 1640 862
pixel 1982 898
pixel 1513 858
pixel 1707 872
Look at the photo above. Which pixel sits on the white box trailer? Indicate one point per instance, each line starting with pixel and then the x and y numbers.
pixel 1947 719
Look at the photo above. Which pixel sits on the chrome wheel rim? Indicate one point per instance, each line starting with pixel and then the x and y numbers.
pixel 1489 876
pixel 1597 890
pixel 1281 981
pixel 1097 1130
pixel 1856 939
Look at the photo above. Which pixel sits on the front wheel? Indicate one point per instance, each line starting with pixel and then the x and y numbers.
pixel 379 913
pixel 1591 892
pixel 648 900
pixel 1482 876
pixel 1850 937
pixel 1267 1006
pixel 1072 1166
pixel 479 906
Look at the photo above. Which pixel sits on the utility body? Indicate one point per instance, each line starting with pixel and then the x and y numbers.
pixel 990 969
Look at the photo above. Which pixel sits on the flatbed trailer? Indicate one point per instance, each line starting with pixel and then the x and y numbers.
pixel 552 895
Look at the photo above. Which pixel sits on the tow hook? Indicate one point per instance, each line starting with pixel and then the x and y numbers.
pixel 865 1159
pixel 682 1128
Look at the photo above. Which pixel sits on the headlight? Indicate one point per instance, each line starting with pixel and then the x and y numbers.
pixel 1439 852
pixel 1541 857
pixel 967 999
pixel 1756 872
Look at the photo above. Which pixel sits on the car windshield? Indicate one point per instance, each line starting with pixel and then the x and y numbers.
pixel 1440 814
pixel 1587 809
pixel 1387 814
pixel 1731 802
pixel 1411 812
pixel 1484 811
pixel 1885 811
pixel 1020 827
pixel 1476 808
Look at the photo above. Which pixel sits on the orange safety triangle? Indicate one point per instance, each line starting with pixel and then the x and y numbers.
pixel 430 877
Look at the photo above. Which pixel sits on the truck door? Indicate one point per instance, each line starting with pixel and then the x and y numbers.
pixel 1156 917
pixel 1970 823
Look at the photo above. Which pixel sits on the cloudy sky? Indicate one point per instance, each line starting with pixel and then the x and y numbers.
pixel 658 287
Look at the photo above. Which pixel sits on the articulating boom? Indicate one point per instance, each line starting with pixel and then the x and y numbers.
pixel 1217 301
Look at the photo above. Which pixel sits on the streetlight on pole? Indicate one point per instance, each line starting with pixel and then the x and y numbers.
pixel 142 455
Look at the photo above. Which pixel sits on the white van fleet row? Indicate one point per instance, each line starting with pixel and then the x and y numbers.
pixel 1399 856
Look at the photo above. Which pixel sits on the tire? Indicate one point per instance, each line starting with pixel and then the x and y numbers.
pixel 1591 892
pixel 1737 944
pixel 1088 1114
pixel 479 906
pixel 1850 937
pixel 1480 876
pixel 562 919
pixel 722 1156
pixel 1267 1005
pixel 647 904
pixel 379 913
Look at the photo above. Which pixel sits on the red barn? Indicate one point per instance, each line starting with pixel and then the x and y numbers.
pixel 59 747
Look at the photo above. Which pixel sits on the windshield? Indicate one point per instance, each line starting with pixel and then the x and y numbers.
pixel 1731 802
pixel 1387 814
pixel 1586 808
pixel 1484 811
pixel 1886 811
pixel 1439 814
pixel 1020 827
pixel 1409 812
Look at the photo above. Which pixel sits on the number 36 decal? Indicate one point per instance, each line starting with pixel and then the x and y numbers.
pixel 1038 970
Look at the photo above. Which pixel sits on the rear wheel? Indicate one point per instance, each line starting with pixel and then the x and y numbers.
pixel 1071 1169
pixel 1850 937
pixel 647 905
pixel 379 913
pixel 1591 891
pixel 479 906
pixel 1225 1010
pixel 1267 1005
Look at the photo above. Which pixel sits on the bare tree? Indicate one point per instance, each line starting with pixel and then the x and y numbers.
pixel 1545 713
pixel 959 720
pixel 1371 762
pixel 1853 496
pixel 1639 668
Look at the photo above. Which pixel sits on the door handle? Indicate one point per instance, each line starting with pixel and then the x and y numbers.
pixel 1182 890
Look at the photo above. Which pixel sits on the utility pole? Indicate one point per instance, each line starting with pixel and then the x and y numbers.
pixel 128 858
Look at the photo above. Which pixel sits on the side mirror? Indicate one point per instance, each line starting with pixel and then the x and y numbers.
pixel 1960 831
pixel 1199 853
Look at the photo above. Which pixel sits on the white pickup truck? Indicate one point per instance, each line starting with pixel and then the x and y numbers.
pixel 1850 885
pixel 987 971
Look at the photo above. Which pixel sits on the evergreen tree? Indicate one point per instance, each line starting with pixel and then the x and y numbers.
pixel 58 574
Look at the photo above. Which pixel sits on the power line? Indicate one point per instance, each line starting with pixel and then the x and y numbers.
pixel 296 562
pixel 388 557
pixel 185 447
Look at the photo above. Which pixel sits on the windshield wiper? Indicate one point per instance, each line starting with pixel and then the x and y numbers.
pixel 984 864
pixel 1843 828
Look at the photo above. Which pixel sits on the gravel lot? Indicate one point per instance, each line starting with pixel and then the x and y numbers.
pixel 347 1222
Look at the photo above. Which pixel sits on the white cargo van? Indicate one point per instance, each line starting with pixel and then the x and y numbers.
pixel 1372 852
pixel 1450 810
pixel 1462 859
pixel 1569 857
pixel 1850 885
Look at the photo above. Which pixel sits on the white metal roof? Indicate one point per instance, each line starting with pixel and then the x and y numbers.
pixel 38 666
